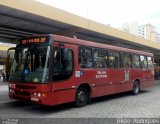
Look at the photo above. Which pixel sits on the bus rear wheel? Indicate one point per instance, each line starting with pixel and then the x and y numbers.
pixel 82 96
pixel 136 88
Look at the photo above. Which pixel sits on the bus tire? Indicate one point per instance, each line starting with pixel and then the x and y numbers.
pixel 82 96
pixel 136 88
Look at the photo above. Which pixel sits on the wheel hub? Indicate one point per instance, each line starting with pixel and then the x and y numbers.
pixel 81 96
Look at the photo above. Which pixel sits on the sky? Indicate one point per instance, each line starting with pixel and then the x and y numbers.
pixel 112 12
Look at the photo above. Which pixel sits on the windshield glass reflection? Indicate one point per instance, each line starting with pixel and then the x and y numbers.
pixel 31 64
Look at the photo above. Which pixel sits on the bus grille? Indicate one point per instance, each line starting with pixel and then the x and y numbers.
pixel 25 87
pixel 18 92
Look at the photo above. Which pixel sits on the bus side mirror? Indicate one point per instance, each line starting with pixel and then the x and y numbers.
pixel 65 57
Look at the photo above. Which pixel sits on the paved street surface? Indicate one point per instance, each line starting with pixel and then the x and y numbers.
pixel 123 105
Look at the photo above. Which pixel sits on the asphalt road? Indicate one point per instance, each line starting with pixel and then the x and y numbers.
pixel 124 105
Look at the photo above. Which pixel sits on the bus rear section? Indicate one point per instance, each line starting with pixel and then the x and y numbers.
pixel 114 70
pixel 52 69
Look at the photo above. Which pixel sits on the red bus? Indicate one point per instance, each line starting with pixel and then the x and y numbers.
pixel 53 69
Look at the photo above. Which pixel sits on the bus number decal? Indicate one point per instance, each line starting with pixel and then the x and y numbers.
pixel 126 75
pixel 101 74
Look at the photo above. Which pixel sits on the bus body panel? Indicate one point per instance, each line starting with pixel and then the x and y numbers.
pixel 24 92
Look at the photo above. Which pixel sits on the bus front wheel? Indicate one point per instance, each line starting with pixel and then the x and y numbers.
pixel 136 88
pixel 82 96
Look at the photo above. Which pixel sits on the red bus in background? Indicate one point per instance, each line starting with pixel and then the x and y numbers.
pixel 53 69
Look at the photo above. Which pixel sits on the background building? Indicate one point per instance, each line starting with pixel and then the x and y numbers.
pixel 147 31
pixel 155 36
pixel 135 29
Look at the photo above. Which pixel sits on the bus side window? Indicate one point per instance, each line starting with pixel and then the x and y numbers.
pixel 135 61
pixel 150 62
pixel 57 65
pixel 126 60
pixel 100 58
pixel 85 57
pixel 143 62
pixel 114 59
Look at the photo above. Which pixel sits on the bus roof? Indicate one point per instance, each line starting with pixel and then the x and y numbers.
pixel 98 45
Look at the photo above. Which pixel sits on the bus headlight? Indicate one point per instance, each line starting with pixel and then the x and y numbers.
pixel 35 94
pixel 39 94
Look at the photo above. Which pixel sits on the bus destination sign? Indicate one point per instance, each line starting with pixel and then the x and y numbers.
pixel 34 40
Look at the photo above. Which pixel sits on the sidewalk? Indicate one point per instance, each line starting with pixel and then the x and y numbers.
pixel 3 83
pixel 157 81
pixel 3 86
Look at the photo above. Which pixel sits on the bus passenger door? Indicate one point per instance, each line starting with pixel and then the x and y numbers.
pixel 63 72
pixel 147 71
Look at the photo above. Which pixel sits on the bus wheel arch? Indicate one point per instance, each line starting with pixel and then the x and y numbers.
pixel 136 87
pixel 83 95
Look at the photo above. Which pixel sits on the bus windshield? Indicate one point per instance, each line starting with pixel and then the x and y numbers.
pixel 31 64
